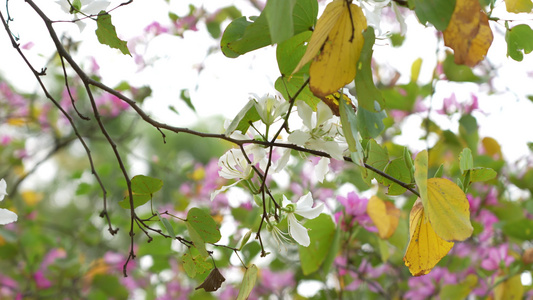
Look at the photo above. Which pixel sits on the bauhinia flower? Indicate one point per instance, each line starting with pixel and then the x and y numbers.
pixel 6 216
pixel 270 108
pixel 281 238
pixel 234 165
pixel 304 207
pixel 319 131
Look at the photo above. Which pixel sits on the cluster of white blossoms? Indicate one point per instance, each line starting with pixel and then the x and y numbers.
pixel 6 216
pixel 320 131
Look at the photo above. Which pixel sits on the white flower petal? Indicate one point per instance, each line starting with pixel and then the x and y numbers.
pixel 283 160
pixel 7 216
pixel 298 231
pixel 222 189
pixel 306 201
pixel 323 113
pixel 285 201
pixel 95 7
pixel 321 169
pixel 306 114
pixel 299 137
pixel 3 187
pixel 310 213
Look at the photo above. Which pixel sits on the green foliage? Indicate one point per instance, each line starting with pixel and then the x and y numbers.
pixel 107 34
pixel 519 41
pixel 368 96
pixel 322 234
pixel 436 12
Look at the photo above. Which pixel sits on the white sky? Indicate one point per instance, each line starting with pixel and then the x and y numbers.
pixel 225 84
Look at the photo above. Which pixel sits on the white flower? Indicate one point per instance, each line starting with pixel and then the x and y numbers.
pixel 319 130
pixel 372 9
pixel 304 207
pixel 270 108
pixel 6 216
pixel 281 238
pixel 233 165
pixel 88 7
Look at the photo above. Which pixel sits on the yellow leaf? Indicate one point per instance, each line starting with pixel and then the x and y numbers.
pixel 468 33
pixel 335 47
pixel 16 121
pixel 510 289
pixel 31 198
pixel 492 147
pixel 446 205
pixel 384 215
pixel 425 247
pixel 518 6
pixel 448 210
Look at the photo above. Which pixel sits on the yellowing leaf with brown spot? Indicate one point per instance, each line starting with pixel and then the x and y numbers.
pixel 468 33
pixel 335 47
pixel 384 215
pixel 518 6
pixel 448 210
pixel 425 247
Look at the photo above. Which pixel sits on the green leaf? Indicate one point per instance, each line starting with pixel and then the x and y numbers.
pixel 468 131
pixel 304 15
pixel 188 265
pixel 197 240
pixel 248 282
pixel 110 285
pixel 455 72
pixel 370 123
pixel 279 17
pixel 349 128
pixel 460 290
pixel 195 265
pixel 142 187
pixel 204 225
pixel 290 52
pixel 244 119
pixel 521 229
pixel 436 12
pixel 184 95
pixel 519 41
pixel 333 250
pixel 482 174
pixel 421 176
pixel 107 34
pixel 138 200
pixel 145 185
pixel 242 36
pixel 288 88
pixel 321 233
pixel 167 225
pixel 368 96
pixel 397 168
pixel 466 161
pixel 378 158
pixel 76 6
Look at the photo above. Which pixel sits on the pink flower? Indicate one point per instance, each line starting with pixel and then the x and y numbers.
pixel 40 280
pixel 155 28
pixel 497 258
pixel 354 211
pixel 487 219
pixel 468 109
pixel 426 286
pixel 449 105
